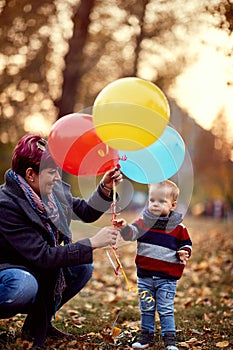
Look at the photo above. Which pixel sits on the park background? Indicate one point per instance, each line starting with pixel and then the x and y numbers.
pixel 56 56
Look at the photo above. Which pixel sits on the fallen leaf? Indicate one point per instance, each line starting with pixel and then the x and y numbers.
pixel 222 344
pixel 206 318
pixel 192 340
pixel 116 332
pixel 184 345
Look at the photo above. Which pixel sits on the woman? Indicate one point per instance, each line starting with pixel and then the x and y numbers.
pixel 40 269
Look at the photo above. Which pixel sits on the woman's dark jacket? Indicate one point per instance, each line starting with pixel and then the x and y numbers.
pixel 25 242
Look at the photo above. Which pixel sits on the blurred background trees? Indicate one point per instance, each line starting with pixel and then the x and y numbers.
pixel 57 55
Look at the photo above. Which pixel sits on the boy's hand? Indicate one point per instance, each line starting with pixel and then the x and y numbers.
pixel 121 223
pixel 183 255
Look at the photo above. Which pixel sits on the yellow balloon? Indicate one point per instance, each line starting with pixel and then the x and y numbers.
pixel 130 113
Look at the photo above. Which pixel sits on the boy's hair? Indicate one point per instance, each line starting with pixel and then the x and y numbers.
pixel 174 189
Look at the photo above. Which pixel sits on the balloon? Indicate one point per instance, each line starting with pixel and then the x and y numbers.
pixel 76 148
pixel 157 162
pixel 130 113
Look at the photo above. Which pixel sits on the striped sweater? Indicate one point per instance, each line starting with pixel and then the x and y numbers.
pixel 158 240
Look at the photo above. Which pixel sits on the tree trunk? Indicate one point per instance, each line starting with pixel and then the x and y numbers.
pixel 73 61
pixel 139 37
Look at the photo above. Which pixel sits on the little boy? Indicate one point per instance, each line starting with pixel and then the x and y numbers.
pixel 163 248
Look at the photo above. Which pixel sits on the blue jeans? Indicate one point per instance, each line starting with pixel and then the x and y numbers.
pixel 156 293
pixel 18 288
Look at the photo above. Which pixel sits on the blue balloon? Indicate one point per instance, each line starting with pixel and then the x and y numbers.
pixel 155 163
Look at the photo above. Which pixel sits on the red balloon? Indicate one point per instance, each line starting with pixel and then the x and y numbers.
pixel 76 148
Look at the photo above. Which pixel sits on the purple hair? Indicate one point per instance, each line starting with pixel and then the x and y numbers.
pixel 31 152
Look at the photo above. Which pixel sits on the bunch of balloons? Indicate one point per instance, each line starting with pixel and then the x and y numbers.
pixel 129 127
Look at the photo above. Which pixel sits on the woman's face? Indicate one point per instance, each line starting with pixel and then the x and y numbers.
pixel 43 182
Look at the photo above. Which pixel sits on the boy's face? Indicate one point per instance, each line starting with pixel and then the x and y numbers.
pixel 161 201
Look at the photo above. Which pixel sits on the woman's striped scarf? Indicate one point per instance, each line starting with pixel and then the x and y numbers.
pixel 49 211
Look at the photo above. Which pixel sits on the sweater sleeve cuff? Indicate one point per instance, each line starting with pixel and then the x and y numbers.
pixel 125 232
pixel 104 196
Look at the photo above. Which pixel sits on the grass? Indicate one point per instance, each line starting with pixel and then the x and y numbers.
pixel 203 307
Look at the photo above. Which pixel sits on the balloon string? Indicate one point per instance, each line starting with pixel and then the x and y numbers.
pixel 121 268
pixel 114 213
pixel 119 265
pixel 111 261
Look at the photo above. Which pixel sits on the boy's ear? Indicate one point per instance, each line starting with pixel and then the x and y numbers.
pixel 174 203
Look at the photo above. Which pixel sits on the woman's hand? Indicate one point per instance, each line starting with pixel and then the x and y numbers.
pixel 113 175
pixel 105 237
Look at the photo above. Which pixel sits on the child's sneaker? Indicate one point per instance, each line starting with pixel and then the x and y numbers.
pixel 144 340
pixel 169 339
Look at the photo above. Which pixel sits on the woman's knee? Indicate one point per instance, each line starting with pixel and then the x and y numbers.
pixel 18 288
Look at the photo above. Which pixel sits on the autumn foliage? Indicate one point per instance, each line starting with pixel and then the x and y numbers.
pixel 105 315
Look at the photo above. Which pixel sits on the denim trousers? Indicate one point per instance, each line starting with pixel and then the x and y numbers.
pixel 157 294
pixel 18 288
